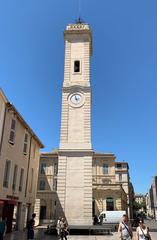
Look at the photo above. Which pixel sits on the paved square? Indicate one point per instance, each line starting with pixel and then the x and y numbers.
pixel 39 235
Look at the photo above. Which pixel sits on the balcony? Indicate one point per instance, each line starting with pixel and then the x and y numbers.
pixel 103 179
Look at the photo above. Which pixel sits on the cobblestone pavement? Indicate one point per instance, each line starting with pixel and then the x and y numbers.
pixel 41 236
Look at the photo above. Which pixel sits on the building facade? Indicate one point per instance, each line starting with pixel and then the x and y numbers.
pixel 19 158
pixel 109 191
pixel 151 202
pixel 87 182
pixel 149 211
pixel 47 187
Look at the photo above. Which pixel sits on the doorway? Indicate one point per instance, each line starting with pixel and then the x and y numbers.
pixel 109 204
pixel 42 212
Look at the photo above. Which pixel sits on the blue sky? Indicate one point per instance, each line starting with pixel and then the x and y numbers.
pixel 123 73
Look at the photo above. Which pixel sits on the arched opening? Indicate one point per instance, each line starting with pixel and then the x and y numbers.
pixel 109 204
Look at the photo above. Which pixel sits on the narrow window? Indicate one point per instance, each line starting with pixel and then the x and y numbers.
pixel 76 66
pixel 109 204
pixel 120 176
pixel 54 184
pixel 124 166
pixel 105 168
pixel 42 185
pixel 14 177
pixel 55 169
pixel 6 174
pixel 43 168
pixel 25 143
pixel 12 132
pixel 21 179
pixel 119 165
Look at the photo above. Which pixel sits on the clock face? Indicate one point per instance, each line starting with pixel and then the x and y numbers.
pixel 76 98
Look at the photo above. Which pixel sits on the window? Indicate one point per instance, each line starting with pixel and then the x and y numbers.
pixel 120 176
pixel 43 168
pixel 21 179
pixel 124 166
pixel 54 184
pixel 25 143
pixel 109 204
pixel 119 165
pixel 105 168
pixel 12 132
pixel 77 66
pixel 42 185
pixel 6 174
pixel 14 177
pixel 55 169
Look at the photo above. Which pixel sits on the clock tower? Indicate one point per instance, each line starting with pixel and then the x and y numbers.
pixel 74 185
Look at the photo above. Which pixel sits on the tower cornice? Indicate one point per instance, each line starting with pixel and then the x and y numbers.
pixel 76 88
pixel 79 28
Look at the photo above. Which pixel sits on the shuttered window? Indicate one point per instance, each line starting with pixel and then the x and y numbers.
pixel 6 174
pixel 21 180
pixel 105 168
pixel 12 132
pixel 14 177
pixel 25 145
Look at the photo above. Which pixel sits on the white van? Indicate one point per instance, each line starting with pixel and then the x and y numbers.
pixel 111 216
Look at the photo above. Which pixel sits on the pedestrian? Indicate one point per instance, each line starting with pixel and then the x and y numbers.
pixel 58 228
pixel 2 228
pixel 95 220
pixel 142 231
pixel 30 227
pixel 101 219
pixel 64 229
pixel 125 229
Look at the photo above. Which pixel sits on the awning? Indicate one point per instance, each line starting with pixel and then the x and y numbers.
pixel 12 202
pixel 1 202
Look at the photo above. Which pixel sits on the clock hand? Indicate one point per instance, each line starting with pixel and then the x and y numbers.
pixel 76 98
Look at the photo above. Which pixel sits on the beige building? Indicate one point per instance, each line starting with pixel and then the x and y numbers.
pixel 87 182
pixel 123 177
pixel 111 183
pixel 47 186
pixel 110 190
pixel 19 160
pixel 153 198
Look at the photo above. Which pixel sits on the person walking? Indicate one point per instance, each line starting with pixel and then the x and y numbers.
pixel 125 229
pixel 30 227
pixel 58 228
pixel 64 229
pixel 2 228
pixel 142 231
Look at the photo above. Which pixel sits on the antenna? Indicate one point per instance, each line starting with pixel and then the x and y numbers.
pixel 79 9
pixel 79 19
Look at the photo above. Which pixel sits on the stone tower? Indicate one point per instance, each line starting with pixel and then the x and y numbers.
pixel 74 187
